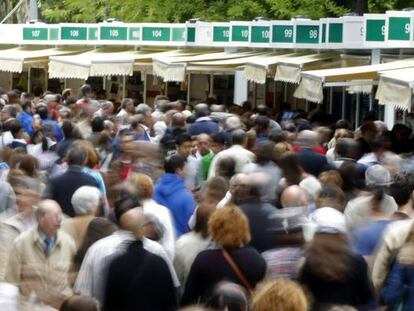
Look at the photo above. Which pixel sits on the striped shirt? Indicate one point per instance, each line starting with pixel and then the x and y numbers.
pixel 283 262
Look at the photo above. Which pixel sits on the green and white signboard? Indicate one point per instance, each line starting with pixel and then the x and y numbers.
pixel 308 34
pixel 283 34
pixel 239 34
pixel 399 28
pixel 374 26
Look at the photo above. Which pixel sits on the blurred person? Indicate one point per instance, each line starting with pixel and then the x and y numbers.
pixel 177 127
pixel 127 109
pixel 85 94
pixel 226 168
pixel 288 242
pixel 26 116
pixel 91 278
pixel 83 125
pixel 331 154
pixel 8 112
pixel 294 196
pixel 237 151
pixel 229 228
pixel 333 196
pixel 17 131
pixel 98 228
pixel 97 125
pixel 190 244
pixel 62 188
pixel 41 258
pixel 203 123
pixel 106 110
pixel 138 279
pixel 332 272
pixel 145 190
pixel 280 295
pixel 230 297
pixel 265 164
pixel 236 182
pixel 217 145
pixel 70 135
pixel 232 123
pixel 331 177
pixel 43 113
pixel 171 192
pixel 281 148
pixel 146 122
pixel 360 210
pixel 262 127
pixel 368 132
pixel 80 303
pixel 85 201
pixel 402 192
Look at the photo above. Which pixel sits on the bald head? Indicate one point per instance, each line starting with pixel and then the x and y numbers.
pixel 133 221
pixel 201 110
pixel 307 138
pixel 178 120
pixel 294 196
pixel 49 217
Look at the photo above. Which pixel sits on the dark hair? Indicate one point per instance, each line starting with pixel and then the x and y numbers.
pixel 43 112
pixel 29 164
pixel 228 296
pixel 173 163
pixel 27 103
pixel 11 110
pixel 97 124
pixel 126 202
pixel 401 192
pixel 85 89
pixel 97 229
pixel 76 155
pixel 80 303
pixel 262 123
pixel 15 127
pixel 226 167
pixel 219 138
pixel 342 124
pixel 328 257
pixel 265 152
pixel 290 165
pixel 238 137
pixel 67 129
pixel 182 138
pixel 277 136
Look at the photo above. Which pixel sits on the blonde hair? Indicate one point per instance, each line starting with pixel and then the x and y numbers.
pixel 229 227
pixel 280 295
pixel 143 183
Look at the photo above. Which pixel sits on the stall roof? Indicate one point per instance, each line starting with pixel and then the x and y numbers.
pixel 311 85
pixel 100 62
pixel 13 60
pixel 396 87
pixel 173 68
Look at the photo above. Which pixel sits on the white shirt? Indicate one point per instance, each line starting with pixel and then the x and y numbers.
pixel 240 155
pixel 91 277
pixel 164 217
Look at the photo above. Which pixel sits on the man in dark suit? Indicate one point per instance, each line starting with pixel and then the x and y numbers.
pixel 203 123
pixel 311 161
pixel 61 188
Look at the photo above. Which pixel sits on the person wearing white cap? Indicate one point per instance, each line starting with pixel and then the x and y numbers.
pixel 332 272
pixel 360 210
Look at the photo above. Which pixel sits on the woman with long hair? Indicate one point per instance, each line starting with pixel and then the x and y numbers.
pixel 332 272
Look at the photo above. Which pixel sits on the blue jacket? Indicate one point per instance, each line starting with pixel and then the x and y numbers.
pixel 399 285
pixel 56 128
pixel 170 191
pixel 26 120
pixel 203 125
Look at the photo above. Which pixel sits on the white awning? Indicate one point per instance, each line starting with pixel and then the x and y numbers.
pixel 174 68
pixel 14 60
pixel 396 88
pixel 257 70
pixel 317 78
pixel 289 70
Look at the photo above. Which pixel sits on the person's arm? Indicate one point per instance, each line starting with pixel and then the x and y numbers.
pixel 393 285
pixel 194 286
pixel 14 266
pixel 365 290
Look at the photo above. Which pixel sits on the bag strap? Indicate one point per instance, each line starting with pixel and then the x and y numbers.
pixel 236 269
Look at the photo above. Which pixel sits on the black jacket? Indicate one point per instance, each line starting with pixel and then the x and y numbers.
pixel 61 188
pixel 313 162
pixel 139 280
pixel 210 268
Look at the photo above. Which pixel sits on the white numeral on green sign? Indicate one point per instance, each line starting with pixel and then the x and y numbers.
pixel 313 34
pixel 35 33
pixel 266 34
pixel 74 33
pixel 244 33
pixel 407 28
pixel 156 33
pixel 114 33
pixel 383 30
pixel 288 33
pixel 226 33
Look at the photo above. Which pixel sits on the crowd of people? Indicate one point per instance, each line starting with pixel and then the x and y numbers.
pixel 120 206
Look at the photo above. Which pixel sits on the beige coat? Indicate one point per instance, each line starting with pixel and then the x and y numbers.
pixel 45 275
pixel 393 239
pixel 76 227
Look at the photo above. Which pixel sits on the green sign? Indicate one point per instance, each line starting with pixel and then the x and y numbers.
pixel 375 30
pixel 282 34
pixel 156 33
pixel 114 33
pixel 134 33
pixel 221 34
pixel 73 33
pixel 335 33
pixel 323 33
pixel 307 34
pixel 35 33
pixel 179 34
pixel 191 34
pixel 93 33
pixel 399 28
pixel 240 33
pixel 260 34
pixel 53 33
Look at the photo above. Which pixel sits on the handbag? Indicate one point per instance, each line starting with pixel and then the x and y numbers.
pixel 236 270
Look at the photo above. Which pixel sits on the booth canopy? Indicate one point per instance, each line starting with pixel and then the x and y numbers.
pixel 171 68
pixel 14 60
pixel 396 87
pixel 311 85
